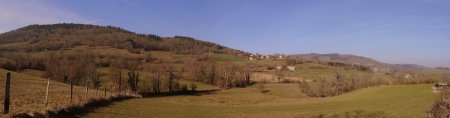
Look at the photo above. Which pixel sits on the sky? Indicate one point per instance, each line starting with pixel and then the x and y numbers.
pixel 391 31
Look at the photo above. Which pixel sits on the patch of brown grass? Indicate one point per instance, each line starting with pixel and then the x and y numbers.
pixel 28 94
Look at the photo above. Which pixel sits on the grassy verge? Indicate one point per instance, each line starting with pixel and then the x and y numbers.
pixel 28 94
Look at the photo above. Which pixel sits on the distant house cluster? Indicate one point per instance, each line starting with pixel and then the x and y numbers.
pixel 290 68
pixel 408 76
pixel 383 69
pixel 265 57
pixel 258 57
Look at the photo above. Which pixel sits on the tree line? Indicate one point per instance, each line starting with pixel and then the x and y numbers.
pixel 224 75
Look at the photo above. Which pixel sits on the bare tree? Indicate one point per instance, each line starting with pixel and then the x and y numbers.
pixel 156 83
pixel 170 83
pixel 116 74
pixel 212 73
pixel 133 68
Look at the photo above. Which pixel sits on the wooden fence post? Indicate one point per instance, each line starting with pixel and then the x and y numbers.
pixel 46 93
pixel 71 91
pixel 111 88
pixel 105 90
pixel 86 92
pixel 6 100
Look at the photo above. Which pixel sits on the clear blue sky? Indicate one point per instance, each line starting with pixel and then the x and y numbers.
pixel 391 31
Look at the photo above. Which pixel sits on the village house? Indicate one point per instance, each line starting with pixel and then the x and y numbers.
pixel 408 76
pixel 291 68
pixel 251 57
pixel 279 67
pixel 280 57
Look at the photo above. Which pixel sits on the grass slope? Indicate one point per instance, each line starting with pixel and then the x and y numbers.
pixel 383 101
pixel 28 93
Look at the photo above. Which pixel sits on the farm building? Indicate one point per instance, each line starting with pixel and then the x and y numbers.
pixel 279 67
pixel 291 68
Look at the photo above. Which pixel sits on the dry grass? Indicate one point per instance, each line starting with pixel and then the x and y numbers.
pixel 28 94
pixel 404 101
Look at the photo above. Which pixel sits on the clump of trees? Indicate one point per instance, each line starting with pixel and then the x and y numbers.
pixel 125 72
pixel 224 75
pixel 68 68
pixel 20 61
pixel 133 70
pixel 75 68
pixel 164 79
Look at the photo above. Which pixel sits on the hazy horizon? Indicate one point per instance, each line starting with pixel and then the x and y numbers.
pixel 396 32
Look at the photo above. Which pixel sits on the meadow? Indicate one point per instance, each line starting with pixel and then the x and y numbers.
pixel 281 100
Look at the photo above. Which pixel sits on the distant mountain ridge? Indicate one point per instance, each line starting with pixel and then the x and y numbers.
pixel 354 59
pixel 342 58
pixel 411 66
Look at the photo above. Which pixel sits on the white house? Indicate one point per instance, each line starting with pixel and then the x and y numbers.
pixel 251 57
pixel 408 76
pixel 279 67
pixel 291 68
pixel 280 57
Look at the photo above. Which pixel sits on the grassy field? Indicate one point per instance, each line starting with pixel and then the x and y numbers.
pixel 28 94
pixel 281 101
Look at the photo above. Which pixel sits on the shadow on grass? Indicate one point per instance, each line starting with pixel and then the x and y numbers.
pixel 180 93
pixel 355 114
pixel 77 111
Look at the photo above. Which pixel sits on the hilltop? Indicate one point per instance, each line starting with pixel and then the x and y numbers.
pixel 342 58
pixel 357 60
pixel 35 38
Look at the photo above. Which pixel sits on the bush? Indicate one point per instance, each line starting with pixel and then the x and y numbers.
pixel 441 107
pixel 261 88
pixel 193 87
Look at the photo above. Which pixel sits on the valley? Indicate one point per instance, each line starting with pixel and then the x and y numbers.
pixel 184 77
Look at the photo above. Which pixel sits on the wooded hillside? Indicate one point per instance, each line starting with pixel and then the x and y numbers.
pixel 35 38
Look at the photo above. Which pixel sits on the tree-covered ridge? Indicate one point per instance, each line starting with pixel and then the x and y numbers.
pixel 35 38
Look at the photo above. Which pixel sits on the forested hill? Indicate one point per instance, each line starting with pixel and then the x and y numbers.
pixel 36 38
